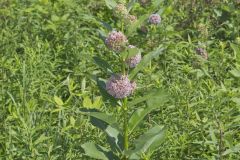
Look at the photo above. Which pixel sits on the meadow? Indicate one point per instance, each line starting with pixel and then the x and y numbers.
pixel 56 64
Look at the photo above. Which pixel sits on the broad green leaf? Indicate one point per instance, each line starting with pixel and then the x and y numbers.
pixel 148 142
pixel 98 152
pixel 109 119
pixel 145 61
pixel 105 95
pixel 108 124
pixel 114 137
pixel 58 101
pixel 130 52
pixel 159 93
pixel 156 98
pixel 103 64
pixel 106 25
pixel 102 35
pixel 111 4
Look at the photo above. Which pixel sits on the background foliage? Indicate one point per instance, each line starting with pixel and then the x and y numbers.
pixel 47 74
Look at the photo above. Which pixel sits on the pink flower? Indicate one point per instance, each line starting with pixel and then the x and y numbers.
pixel 119 86
pixel 116 41
pixel 134 60
pixel 154 19
pixel 131 19
pixel 120 10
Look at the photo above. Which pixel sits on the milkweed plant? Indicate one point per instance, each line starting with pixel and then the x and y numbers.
pixel 120 87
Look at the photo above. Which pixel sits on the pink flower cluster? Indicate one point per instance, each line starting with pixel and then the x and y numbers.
pixel 116 41
pixel 131 19
pixel 120 10
pixel 119 86
pixel 134 60
pixel 154 19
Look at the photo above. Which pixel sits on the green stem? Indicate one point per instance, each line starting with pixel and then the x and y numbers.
pixel 125 124
pixel 125 115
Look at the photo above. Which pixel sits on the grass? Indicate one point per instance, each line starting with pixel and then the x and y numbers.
pixel 47 75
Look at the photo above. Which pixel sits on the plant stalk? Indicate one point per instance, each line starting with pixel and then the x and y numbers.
pixel 125 123
pixel 125 116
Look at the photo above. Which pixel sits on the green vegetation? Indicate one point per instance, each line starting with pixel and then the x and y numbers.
pixel 54 61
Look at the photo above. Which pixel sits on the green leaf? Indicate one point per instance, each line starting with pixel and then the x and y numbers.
pixel 148 142
pixel 98 152
pixel 235 73
pixel 130 52
pixel 133 27
pixel 41 139
pixel 58 101
pixel 144 62
pixel 111 4
pixel 234 149
pixel 156 98
pixel 107 97
pixel 236 100
pixel 156 3
pixel 108 124
pixel 106 25
pixel 87 102
pixel 153 94
pixel 103 64
pixel 114 137
pixel 130 4
pixel 102 35
pixel 109 119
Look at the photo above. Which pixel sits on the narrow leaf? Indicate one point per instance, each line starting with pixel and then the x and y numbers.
pixel 111 4
pixel 103 64
pixel 107 97
pixel 58 101
pixel 130 4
